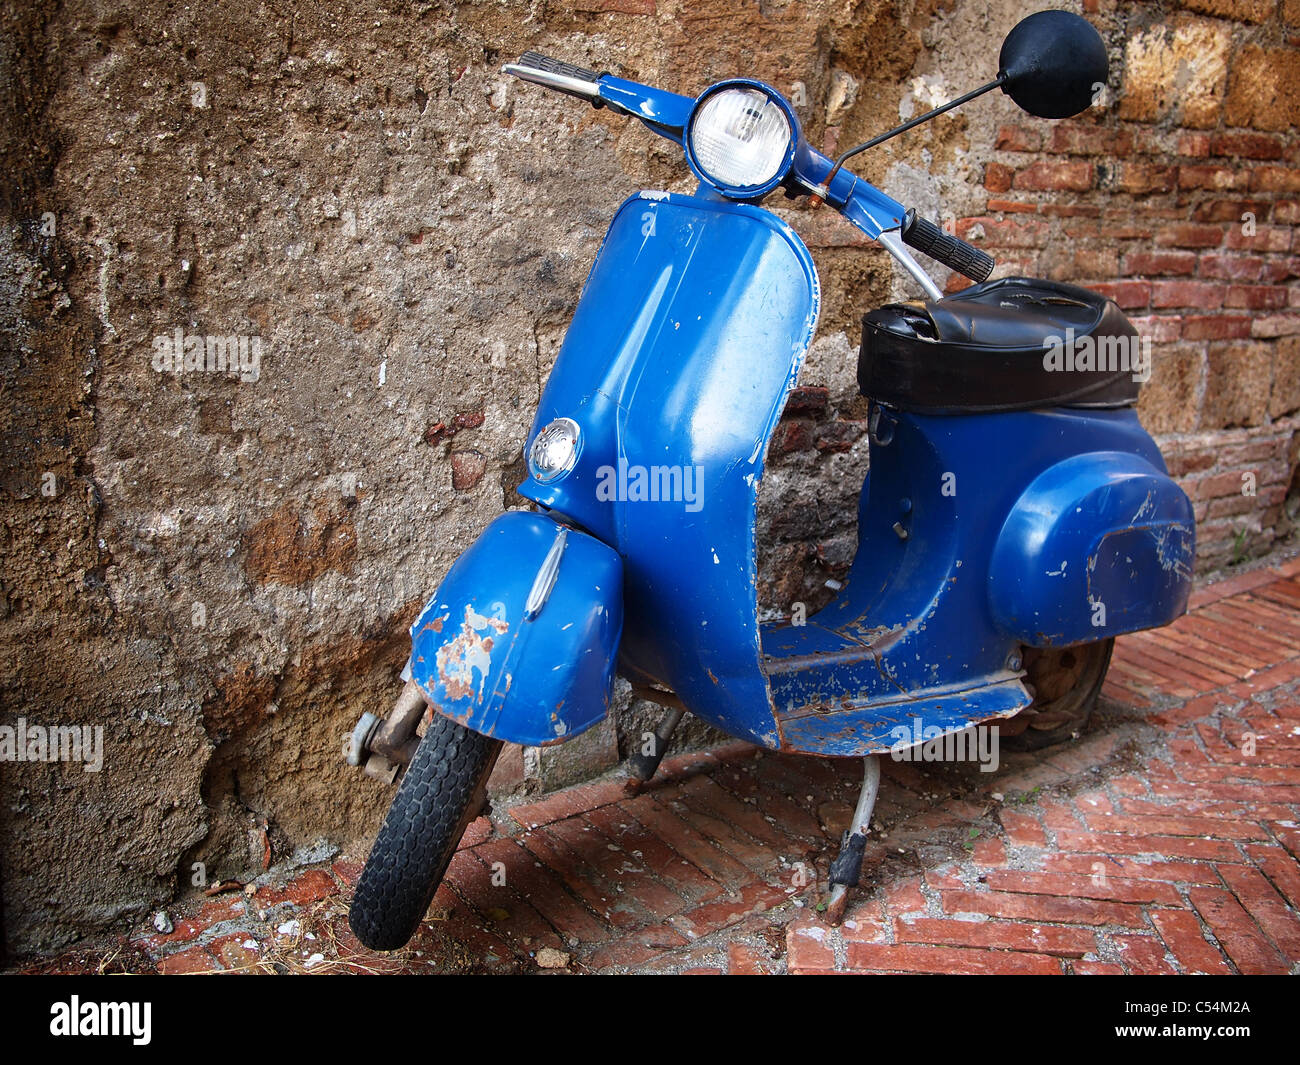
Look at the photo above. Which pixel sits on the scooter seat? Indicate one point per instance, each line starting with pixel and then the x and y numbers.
pixel 1005 345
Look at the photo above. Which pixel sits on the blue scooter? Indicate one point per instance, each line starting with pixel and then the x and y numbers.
pixel 1015 519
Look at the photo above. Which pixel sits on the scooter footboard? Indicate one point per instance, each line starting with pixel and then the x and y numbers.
pixel 1098 545
pixel 520 641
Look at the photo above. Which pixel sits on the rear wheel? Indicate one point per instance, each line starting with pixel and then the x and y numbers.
pixel 440 794
pixel 1065 682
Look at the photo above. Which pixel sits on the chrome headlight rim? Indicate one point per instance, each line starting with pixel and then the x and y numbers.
pixel 549 475
pixel 743 192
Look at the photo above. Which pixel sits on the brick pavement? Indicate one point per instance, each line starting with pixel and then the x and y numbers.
pixel 1163 840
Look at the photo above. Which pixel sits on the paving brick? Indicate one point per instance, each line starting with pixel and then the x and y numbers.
pixel 1237 933
pixel 1143 954
pixel 915 958
pixel 185 962
pixel 1042 908
pixel 1269 910
pixel 1182 934
pixel 1073 885
pixel 998 935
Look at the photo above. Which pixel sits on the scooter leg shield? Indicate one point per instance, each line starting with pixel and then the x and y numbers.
pixel 520 641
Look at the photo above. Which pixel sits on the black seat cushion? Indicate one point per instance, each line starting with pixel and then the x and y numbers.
pixel 987 348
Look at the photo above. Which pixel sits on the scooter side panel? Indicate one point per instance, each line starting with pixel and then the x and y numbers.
pixel 689 333
pixel 1098 545
pixel 921 643
pixel 483 659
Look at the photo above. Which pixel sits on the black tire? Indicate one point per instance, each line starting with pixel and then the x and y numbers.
pixel 1066 682
pixel 440 794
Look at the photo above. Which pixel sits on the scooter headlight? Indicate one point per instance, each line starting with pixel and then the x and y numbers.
pixel 741 139
pixel 554 450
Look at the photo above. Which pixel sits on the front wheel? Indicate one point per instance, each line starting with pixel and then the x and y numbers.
pixel 440 794
pixel 1065 682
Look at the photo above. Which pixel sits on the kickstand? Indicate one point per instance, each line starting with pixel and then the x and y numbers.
pixel 846 870
pixel 643 761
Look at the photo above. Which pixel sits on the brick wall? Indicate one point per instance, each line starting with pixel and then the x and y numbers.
pixel 1178 198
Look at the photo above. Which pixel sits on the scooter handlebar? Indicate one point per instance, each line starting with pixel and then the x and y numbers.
pixel 664 112
pixel 923 235
pixel 556 74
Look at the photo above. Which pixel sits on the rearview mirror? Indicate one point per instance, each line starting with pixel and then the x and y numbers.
pixel 1053 64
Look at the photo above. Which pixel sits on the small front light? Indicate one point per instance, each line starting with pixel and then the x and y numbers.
pixel 740 138
pixel 554 450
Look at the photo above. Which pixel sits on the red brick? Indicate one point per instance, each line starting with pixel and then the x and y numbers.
pixel 1246 145
pixel 1187 235
pixel 637 948
pixel 1071 885
pixel 1266 906
pixel 1241 940
pixel 1162 262
pixel 806 947
pixel 1232 267
pixel 1043 908
pixel 1018 139
pixel 688 842
pixel 1275 179
pixel 1096 968
pixel 1231 211
pixel 1003 234
pixel 1072 139
pixel 567 803
pixel 194 960
pixel 997 177
pixel 998 935
pixel 1216 327
pixel 1012 206
pixel 1141 179
pixel 1256 297
pixel 1161 329
pixel 913 958
pixel 235 954
pixel 1265 238
pixel 1219 178
pixel 1170 846
pixel 1129 868
pixel 311 886
pixel 1127 294
pixel 1202 294
pixel 744 960
pixel 1143 954
pixel 1182 934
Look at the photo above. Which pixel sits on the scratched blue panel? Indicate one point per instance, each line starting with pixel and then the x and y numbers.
pixel 689 332
pixel 536 681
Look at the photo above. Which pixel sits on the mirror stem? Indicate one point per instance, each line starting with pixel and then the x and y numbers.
pixel 995 83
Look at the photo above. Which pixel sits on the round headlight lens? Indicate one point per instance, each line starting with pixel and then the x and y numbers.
pixel 740 137
pixel 554 450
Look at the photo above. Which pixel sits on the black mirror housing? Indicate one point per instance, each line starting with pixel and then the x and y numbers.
pixel 1051 64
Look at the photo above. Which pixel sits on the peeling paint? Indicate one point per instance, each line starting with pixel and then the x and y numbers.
pixel 467 653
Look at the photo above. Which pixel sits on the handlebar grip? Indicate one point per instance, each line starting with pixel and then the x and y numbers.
pixel 564 77
pixel 953 252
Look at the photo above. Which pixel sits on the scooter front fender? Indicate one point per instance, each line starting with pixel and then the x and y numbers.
pixel 520 640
